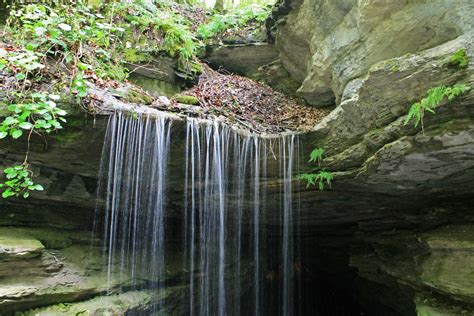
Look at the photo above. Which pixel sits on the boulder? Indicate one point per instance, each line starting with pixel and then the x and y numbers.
pixel 242 59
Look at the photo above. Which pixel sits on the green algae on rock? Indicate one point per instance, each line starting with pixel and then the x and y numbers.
pixel 18 245
pixel 186 99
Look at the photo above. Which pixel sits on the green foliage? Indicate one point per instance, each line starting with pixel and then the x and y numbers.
pixel 320 176
pixel 432 100
pixel 66 44
pixel 316 155
pixel 145 24
pixel 63 28
pixel 134 56
pixel 24 61
pixel 79 85
pixel 459 58
pixel 219 23
pixel 18 182
pixel 40 115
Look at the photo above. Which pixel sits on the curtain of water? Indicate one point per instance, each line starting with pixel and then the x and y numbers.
pixel 134 201
pixel 287 149
pixel 224 216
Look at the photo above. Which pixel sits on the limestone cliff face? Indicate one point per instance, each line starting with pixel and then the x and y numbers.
pixel 325 43
pixel 372 60
pixel 366 132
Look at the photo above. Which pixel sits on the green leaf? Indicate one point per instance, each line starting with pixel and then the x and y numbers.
pixel 54 33
pixel 12 174
pixel 10 120
pixel 20 76
pixel 37 187
pixel 12 107
pixel 17 134
pixel 7 193
pixel 25 125
pixel 3 135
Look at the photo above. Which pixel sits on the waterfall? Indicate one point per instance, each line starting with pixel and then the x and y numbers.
pixel 234 222
pixel 287 250
pixel 135 157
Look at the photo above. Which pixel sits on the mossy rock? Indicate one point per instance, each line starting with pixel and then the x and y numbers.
pixel 103 305
pixel 428 305
pixel 134 56
pixel 16 245
pixel 138 97
pixel 131 95
pixel 186 99
pixel 450 267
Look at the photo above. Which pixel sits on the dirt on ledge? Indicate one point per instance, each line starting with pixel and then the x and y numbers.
pixel 252 104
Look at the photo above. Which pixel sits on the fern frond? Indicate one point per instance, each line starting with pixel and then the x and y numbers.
pixel 433 99
pixel 316 155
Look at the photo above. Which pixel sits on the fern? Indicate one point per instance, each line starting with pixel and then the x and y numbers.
pixel 459 58
pixel 456 90
pixel 219 23
pixel 310 178
pixel 316 155
pixel 321 178
pixel 432 101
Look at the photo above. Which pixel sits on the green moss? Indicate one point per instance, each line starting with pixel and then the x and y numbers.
pixel 429 305
pixel 103 305
pixel 137 97
pixel 17 243
pixel 134 56
pixel 186 99
pixel 392 65
pixel 112 71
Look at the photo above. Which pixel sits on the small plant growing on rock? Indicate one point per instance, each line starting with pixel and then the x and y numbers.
pixel 321 177
pixel 316 155
pixel 220 23
pixel 459 58
pixel 432 100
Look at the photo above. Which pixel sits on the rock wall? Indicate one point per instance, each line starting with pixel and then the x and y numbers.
pixel 397 188
pixel 324 44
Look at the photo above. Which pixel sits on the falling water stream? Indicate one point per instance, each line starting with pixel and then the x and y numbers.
pixel 235 217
